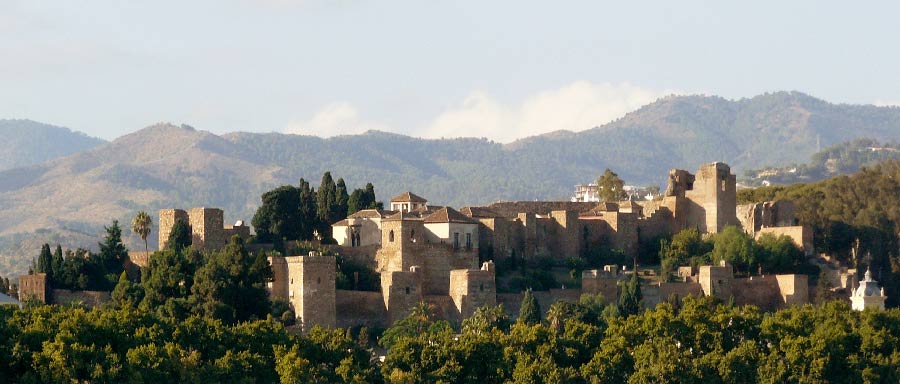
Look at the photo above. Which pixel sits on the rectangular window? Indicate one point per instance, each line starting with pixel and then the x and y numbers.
pixel 468 241
pixel 455 240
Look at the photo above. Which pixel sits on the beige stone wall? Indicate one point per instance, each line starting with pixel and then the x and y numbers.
pixel 33 287
pixel 311 289
pixel 167 219
pixel 401 291
pixel 794 289
pixel 139 258
pixel 360 308
pixel 713 199
pixel 716 281
pixel 604 283
pixel 87 298
pixel 472 289
pixel 437 262
pixel 801 235
pixel 207 228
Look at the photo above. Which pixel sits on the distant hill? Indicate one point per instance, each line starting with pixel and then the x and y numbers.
pixel 69 199
pixel 27 142
pixel 840 159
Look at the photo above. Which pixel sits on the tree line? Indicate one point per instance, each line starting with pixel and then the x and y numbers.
pixel 300 212
pixel 81 269
pixel 697 340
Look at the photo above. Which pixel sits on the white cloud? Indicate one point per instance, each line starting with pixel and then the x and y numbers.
pixel 332 120
pixel 575 107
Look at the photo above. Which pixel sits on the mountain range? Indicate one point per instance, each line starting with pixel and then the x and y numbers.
pixel 71 195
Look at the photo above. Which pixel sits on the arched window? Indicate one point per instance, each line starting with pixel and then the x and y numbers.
pixel 412 235
pixel 391 236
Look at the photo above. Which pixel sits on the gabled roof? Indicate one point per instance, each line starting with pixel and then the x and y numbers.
pixel 342 223
pixel 448 215
pixel 408 197
pixel 479 212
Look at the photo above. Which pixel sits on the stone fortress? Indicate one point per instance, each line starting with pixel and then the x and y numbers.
pixel 445 257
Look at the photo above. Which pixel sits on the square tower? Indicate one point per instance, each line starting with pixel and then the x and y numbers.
pixel 714 193
pixel 207 228
pixel 311 289
pixel 167 219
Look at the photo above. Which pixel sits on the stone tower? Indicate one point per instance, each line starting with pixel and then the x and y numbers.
pixel 207 228
pixel 308 283
pixel 167 219
pixel 713 198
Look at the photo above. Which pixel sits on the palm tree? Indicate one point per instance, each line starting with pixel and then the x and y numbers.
pixel 557 314
pixel 142 225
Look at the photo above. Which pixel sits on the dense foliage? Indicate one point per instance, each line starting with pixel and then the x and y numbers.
pixel 767 254
pixel 854 218
pixel 297 213
pixel 81 269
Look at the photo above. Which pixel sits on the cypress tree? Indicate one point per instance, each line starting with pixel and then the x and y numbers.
pixel 356 203
pixel 630 300
pixel 180 237
pixel 309 219
pixel 325 205
pixel 340 200
pixel 58 264
pixel 45 262
pixel 530 312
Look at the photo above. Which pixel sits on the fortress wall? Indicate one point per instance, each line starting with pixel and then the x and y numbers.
pixel 512 302
pixel 682 290
pixel 442 307
pixel 438 260
pixel 311 289
pixel 794 289
pixel 472 289
pixel 400 291
pixel 801 235
pixel 761 291
pixel 355 308
pixel 208 228
pixel 593 282
pixel 88 298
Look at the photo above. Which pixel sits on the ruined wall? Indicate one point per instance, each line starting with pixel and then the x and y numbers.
pixel 756 216
pixel 33 287
pixel 472 289
pixel 167 219
pixel 360 308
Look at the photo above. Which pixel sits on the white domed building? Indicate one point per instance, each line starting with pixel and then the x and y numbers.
pixel 868 294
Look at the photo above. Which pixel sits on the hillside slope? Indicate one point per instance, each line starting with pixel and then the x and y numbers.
pixel 69 199
pixel 27 142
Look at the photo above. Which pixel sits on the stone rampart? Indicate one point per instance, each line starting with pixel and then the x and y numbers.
pixel 360 308
pixel 88 298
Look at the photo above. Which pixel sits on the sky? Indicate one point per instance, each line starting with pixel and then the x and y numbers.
pixel 496 69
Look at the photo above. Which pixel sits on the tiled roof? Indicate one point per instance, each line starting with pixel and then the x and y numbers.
pixel 478 212
pixel 342 223
pixel 403 216
pixel 370 214
pixel 408 197
pixel 448 215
